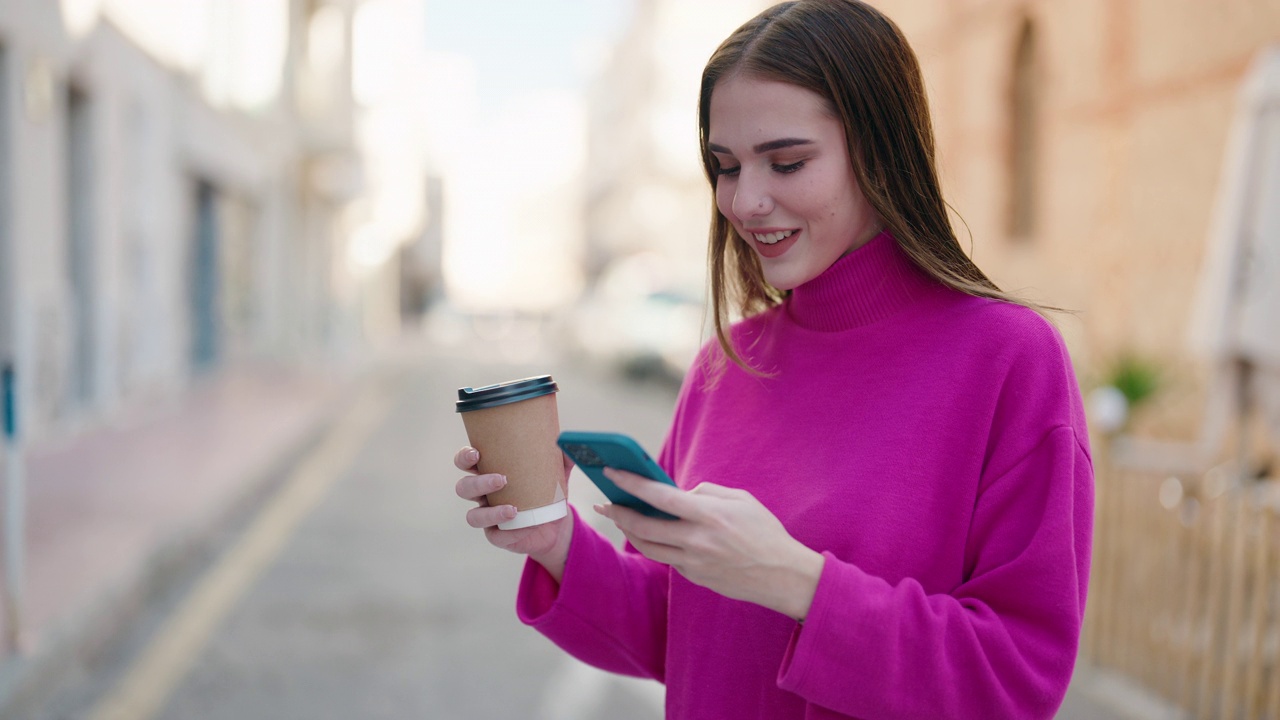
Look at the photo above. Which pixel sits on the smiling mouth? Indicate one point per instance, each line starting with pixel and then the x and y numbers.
pixel 773 238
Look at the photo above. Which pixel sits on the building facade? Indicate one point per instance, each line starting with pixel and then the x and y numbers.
pixel 1082 145
pixel 167 215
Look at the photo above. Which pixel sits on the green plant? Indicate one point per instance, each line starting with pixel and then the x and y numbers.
pixel 1136 378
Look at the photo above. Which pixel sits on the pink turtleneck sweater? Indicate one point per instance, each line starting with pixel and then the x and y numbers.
pixel 932 446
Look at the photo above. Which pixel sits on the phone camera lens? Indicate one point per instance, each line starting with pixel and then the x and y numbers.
pixel 584 456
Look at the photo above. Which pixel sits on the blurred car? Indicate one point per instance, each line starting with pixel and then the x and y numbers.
pixel 633 322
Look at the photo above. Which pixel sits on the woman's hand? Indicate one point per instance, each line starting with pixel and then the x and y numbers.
pixel 547 544
pixel 725 541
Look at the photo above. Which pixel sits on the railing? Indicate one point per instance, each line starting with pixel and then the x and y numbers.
pixel 1185 590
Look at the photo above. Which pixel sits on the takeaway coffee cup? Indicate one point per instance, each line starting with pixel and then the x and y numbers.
pixel 514 425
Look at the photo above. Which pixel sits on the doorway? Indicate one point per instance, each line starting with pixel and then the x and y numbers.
pixel 205 303
pixel 80 257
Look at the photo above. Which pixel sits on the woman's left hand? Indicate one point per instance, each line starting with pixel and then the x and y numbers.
pixel 725 541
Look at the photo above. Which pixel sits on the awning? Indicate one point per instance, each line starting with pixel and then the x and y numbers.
pixel 1237 311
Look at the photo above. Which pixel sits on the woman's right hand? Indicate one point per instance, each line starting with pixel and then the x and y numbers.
pixel 547 544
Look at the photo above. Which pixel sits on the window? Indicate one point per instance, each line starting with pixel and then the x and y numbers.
pixel 1024 117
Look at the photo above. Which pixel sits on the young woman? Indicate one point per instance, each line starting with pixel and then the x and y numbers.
pixel 886 491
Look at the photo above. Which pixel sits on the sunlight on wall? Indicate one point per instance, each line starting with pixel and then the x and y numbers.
pixel 246 56
pixel 236 47
pixel 326 40
pixel 79 16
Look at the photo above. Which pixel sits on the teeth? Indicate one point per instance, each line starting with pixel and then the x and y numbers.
pixel 772 238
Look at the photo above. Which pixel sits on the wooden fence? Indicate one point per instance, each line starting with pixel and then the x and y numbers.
pixel 1185 590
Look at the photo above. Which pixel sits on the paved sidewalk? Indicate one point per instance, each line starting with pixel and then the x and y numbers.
pixel 110 509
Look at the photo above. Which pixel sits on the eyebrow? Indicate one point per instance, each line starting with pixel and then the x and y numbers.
pixel 763 147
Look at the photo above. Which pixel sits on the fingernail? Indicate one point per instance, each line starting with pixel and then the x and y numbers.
pixel 511 511
pixel 501 481
pixel 473 454
pixel 598 509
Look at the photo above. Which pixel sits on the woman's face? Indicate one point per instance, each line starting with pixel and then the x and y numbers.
pixel 785 181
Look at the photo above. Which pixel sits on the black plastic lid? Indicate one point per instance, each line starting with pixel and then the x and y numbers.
pixel 503 393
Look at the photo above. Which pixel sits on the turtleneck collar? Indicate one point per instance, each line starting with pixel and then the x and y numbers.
pixel 866 286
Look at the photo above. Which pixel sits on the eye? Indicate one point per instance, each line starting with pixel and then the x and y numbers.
pixel 787 169
pixel 729 171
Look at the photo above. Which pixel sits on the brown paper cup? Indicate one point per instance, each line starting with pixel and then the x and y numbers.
pixel 515 429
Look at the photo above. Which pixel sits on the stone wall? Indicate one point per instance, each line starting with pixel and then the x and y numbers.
pixel 1135 99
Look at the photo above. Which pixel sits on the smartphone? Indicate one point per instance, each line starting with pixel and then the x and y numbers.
pixel 594 451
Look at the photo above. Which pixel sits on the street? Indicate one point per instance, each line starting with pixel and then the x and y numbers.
pixel 383 603
pixel 356 590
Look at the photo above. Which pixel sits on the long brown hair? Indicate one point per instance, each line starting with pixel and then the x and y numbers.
pixel 860 62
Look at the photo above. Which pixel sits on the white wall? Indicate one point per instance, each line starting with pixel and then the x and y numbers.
pixel 153 137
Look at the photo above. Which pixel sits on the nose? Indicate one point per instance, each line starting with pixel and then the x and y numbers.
pixel 751 197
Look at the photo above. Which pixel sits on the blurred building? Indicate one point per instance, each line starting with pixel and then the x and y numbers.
pixel 421 260
pixel 393 251
pixel 646 191
pixel 185 186
pixel 647 201
pixel 1082 143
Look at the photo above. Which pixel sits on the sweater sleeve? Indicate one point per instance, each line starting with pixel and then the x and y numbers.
pixel 1000 645
pixel 610 610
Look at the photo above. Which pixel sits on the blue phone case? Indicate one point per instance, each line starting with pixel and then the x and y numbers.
pixel 594 451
